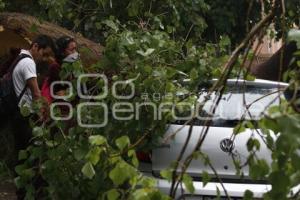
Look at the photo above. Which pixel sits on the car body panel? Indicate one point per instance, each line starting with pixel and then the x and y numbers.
pixel 222 161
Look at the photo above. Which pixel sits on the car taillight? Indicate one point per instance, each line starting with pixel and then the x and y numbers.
pixel 144 156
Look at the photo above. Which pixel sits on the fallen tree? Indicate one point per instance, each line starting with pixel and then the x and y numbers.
pixel 274 68
pixel 28 27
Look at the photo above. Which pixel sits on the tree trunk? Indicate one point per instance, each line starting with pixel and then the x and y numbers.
pixel 270 69
pixel 29 27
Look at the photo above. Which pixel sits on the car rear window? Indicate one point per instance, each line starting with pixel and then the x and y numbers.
pixel 237 102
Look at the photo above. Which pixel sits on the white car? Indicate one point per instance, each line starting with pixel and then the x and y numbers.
pixel 220 143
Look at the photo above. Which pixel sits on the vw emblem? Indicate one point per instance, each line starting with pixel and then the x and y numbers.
pixel 227 145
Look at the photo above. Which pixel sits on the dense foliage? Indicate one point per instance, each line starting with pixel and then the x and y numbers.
pixel 154 45
pixel 173 17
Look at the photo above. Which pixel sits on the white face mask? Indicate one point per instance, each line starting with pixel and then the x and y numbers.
pixel 72 57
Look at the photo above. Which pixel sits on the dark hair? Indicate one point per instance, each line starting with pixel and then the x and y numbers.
pixel 61 44
pixel 44 41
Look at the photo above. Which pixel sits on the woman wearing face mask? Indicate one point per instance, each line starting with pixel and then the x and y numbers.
pixel 66 53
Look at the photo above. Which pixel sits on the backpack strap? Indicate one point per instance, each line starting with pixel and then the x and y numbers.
pixel 22 94
pixel 11 70
pixel 16 61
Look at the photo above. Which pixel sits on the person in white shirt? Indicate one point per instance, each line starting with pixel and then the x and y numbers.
pixel 25 75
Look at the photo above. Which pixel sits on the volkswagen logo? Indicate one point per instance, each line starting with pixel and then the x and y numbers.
pixel 227 145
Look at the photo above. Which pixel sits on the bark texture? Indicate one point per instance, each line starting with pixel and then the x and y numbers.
pixel 274 68
pixel 29 27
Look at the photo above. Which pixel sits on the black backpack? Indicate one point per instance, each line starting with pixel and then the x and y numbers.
pixel 8 98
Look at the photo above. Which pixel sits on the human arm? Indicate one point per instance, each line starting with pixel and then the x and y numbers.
pixel 32 84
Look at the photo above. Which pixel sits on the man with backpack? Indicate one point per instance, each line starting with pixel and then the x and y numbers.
pixel 25 76
pixel 19 87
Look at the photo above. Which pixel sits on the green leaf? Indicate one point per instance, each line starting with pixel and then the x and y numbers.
pixel 270 141
pixel 269 124
pixel 274 112
pixel 2 6
pixel 296 160
pixel 167 174
pixel 25 111
pixel 133 181
pixel 147 182
pixel 225 41
pixel 194 74
pixel 217 72
pixel 29 173
pixel 218 192
pixel 22 155
pixel 294 35
pixel 19 169
pixel 30 192
pixel 37 152
pixel 94 155
pixel 51 143
pixel 280 181
pixel 170 87
pixel 258 169
pixel 188 182
pixel 122 142
pixel 97 140
pixel 286 142
pixel 134 7
pixel 79 154
pixel 23 171
pixel 111 24
pixel 37 132
pixel 239 128
pixel 113 194
pixel 18 182
pixel 118 176
pixel 205 178
pixel 98 25
pixel 250 77
pixel 88 170
pixel 237 165
pixel 146 53
pixel 251 143
pixel 250 125
pixel 289 124
pixel 248 195
pixel 297 53
pixel 140 194
pixel 134 160
pixel 148 69
pixel 147 194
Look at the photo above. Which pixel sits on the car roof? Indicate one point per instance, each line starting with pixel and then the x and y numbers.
pixel 260 83
pixel 257 83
